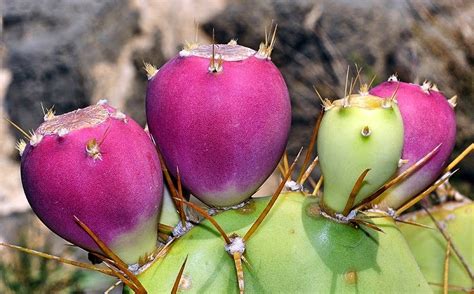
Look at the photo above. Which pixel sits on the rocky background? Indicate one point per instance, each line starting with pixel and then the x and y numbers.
pixel 72 53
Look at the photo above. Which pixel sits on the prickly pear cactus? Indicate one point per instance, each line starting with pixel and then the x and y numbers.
pixel 304 244
pixel 220 116
pixel 295 250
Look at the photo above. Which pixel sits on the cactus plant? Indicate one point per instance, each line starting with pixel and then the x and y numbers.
pixel 220 117
pixel 328 244
pixel 98 165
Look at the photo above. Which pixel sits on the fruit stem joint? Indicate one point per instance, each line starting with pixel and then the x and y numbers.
pixel 340 218
pixel 237 244
pixel 293 186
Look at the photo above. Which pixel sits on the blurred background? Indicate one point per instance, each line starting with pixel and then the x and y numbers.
pixel 72 53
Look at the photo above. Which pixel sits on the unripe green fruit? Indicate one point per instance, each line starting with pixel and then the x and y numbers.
pixel 295 250
pixel 358 133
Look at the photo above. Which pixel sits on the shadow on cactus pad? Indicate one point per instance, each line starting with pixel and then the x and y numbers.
pixel 294 251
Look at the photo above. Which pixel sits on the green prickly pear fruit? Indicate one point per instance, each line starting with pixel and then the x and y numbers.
pixel 429 246
pixel 295 250
pixel 357 133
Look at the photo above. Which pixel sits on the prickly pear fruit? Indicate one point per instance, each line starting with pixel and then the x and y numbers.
pixel 357 133
pixel 295 250
pixel 221 115
pixel 429 246
pixel 429 120
pixel 100 166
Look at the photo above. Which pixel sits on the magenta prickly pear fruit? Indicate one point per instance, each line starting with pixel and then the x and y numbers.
pixel 99 165
pixel 221 114
pixel 429 120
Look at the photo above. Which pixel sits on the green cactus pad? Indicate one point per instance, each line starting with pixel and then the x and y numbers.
pixel 295 250
pixel 429 246
pixel 359 133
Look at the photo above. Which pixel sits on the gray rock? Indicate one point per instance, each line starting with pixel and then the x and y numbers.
pixel 135 102
pixel 53 45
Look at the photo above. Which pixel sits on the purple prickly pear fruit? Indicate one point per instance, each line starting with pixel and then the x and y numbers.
pixel 221 114
pixel 99 165
pixel 429 120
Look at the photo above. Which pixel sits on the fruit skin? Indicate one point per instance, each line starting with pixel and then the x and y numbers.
pixel 429 120
pixel 429 246
pixel 225 131
pixel 293 251
pixel 345 153
pixel 117 197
